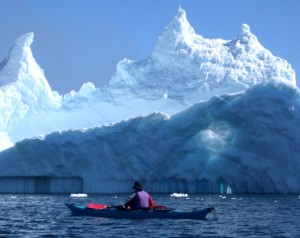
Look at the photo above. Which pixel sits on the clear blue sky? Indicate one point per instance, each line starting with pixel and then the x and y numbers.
pixel 82 40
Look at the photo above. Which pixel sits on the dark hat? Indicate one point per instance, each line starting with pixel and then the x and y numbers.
pixel 137 185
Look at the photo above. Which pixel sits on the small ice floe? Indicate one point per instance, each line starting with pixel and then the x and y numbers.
pixel 179 195
pixel 201 199
pixel 223 197
pixel 299 197
pixel 78 195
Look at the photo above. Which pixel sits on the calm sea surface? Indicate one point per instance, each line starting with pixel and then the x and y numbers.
pixel 239 216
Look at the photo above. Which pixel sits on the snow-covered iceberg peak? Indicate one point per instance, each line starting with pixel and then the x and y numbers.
pixel 178 33
pixel 19 73
pixel 246 44
pixel 189 67
pixel 252 59
pixel 246 35
pixel 16 59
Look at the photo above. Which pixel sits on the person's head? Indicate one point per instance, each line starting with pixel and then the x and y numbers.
pixel 137 186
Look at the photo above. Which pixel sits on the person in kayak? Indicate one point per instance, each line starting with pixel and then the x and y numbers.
pixel 140 199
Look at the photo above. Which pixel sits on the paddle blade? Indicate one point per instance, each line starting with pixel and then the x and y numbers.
pixel 96 206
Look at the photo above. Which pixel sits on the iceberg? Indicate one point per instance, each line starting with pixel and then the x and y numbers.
pixel 197 116
pixel 184 68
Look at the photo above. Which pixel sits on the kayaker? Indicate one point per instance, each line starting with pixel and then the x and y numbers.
pixel 140 199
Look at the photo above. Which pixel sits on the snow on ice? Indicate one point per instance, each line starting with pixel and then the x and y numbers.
pixel 198 115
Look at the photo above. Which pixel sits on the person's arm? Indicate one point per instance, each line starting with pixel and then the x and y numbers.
pixel 132 201
pixel 151 202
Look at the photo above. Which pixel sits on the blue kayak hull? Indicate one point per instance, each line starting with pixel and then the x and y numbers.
pixel 198 214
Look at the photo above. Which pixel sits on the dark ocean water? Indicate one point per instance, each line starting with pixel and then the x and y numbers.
pixel 239 216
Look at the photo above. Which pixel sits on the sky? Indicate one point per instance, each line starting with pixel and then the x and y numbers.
pixel 78 41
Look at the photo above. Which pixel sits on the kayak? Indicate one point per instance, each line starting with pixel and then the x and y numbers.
pixel 99 210
pixel 118 212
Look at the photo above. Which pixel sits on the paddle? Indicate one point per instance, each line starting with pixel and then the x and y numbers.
pixel 99 206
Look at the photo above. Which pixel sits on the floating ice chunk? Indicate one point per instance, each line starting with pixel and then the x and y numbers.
pixel 178 195
pixel 78 195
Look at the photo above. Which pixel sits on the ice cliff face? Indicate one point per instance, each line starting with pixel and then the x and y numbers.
pixel 241 143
